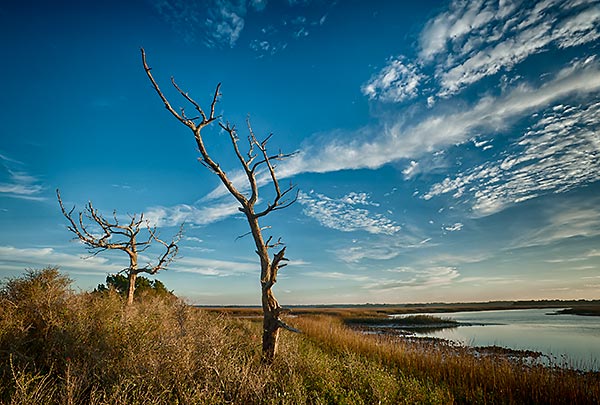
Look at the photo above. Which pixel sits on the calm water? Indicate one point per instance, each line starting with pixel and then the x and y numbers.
pixel 570 340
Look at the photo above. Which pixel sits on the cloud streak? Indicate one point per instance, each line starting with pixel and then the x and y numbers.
pixel 566 220
pixel 407 277
pixel 18 183
pixel 189 214
pixel 558 153
pixel 17 259
pixel 213 267
pixel 343 215
pixel 374 146
pixel 477 39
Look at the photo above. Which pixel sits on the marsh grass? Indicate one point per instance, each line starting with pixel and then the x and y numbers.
pixel 465 376
pixel 61 347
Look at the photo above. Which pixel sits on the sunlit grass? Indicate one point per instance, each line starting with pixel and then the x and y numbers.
pixel 61 347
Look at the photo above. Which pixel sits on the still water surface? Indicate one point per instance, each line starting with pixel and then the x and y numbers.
pixel 567 340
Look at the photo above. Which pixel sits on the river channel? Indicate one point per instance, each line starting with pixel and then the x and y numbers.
pixel 565 340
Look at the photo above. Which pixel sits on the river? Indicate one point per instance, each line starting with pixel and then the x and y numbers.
pixel 565 340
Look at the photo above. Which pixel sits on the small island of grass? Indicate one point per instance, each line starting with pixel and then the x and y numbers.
pixel 582 311
pixel 411 322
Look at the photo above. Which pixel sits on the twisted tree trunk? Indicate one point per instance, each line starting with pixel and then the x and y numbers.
pixel 271 324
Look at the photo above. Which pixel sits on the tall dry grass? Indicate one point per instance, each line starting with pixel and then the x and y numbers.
pixel 61 347
pixel 468 378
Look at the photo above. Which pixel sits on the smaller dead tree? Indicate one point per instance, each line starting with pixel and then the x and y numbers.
pixel 117 236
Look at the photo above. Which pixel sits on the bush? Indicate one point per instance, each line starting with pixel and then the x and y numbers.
pixel 143 286
pixel 33 310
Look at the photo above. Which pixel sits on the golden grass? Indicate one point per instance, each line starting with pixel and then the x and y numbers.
pixel 467 377
pixel 59 347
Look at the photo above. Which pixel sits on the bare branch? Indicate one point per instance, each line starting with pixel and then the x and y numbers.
pixel 168 256
pixel 206 159
pixel 214 102
pixel 188 98
pixel 287 327
pixel 270 245
pixel 184 121
pixel 279 156
pixel 250 232
pixel 276 265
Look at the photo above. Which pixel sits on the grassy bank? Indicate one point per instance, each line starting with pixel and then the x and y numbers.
pixel 61 347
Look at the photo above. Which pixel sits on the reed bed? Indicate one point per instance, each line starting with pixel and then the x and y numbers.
pixel 468 377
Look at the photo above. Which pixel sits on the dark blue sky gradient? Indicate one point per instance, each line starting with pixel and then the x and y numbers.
pixel 449 151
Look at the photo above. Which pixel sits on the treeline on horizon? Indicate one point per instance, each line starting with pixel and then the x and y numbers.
pixel 503 303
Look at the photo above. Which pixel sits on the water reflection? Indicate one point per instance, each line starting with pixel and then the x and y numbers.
pixel 568 340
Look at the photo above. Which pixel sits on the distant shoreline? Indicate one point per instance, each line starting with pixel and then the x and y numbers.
pixel 575 307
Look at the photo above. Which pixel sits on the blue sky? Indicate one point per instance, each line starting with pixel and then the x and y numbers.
pixel 448 151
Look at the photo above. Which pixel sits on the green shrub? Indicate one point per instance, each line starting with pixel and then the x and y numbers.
pixel 143 286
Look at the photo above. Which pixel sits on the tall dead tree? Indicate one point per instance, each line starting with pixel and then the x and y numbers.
pixel 254 162
pixel 116 236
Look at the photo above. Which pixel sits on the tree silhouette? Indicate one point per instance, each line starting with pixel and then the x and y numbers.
pixel 255 161
pixel 118 236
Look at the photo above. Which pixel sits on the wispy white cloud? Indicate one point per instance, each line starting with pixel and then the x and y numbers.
pixel 476 39
pixel 17 182
pixel 593 253
pixel 217 23
pixel 411 170
pixel 341 214
pixel 336 275
pixel 383 247
pixel 408 277
pixel 189 214
pixel 396 82
pixel 374 146
pixel 355 254
pixel 354 198
pixel 454 227
pixel 213 267
pixel 258 5
pixel 558 153
pixel 225 22
pixel 565 220
pixel 267 47
pixel 17 259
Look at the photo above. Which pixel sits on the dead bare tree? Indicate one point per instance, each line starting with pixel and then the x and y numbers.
pixel 117 236
pixel 256 159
